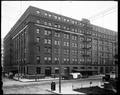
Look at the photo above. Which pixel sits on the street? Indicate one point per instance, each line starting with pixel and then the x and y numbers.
pixel 42 87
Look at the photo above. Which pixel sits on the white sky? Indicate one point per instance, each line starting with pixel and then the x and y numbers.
pixel 12 10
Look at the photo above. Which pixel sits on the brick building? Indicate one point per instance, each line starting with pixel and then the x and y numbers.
pixel 41 40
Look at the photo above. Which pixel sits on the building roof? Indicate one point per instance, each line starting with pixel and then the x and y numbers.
pixel 31 10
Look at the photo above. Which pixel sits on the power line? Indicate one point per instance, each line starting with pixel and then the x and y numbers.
pixel 102 13
pixel 109 9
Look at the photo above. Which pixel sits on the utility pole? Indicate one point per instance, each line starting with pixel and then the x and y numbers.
pixel 59 77
pixel 18 71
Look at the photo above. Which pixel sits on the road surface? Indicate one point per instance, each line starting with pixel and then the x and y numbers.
pixel 42 87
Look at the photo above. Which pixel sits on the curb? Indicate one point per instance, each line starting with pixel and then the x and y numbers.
pixel 52 91
pixel 35 81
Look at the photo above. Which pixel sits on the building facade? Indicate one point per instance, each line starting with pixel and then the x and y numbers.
pixel 41 42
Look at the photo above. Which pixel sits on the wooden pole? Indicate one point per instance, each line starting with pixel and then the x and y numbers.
pixel 59 77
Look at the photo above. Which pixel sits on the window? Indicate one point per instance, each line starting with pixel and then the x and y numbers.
pixel 55 17
pixel 45 58
pixel 49 15
pixel 37 12
pixel 68 28
pixel 94 41
pixel 82 67
pixel 80 23
pixel 57 34
pixel 72 22
pixel 74 44
pixel 48 50
pixel 82 38
pixel 76 30
pixel 66 36
pixel 64 19
pixel 38 48
pixel 56 70
pixel 56 59
pixel 89 67
pixel 45 14
pixel 47 32
pixel 73 29
pixel 56 50
pixel 80 31
pixel 74 60
pixel 49 24
pixel 38 21
pixel 81 59
pixel 38 31
pixel 66 43
pixel 75 22
pixel 74 52
pixel 38 39
pixel 45 23
pixel 66 51
pixel 57 42
pixel 89 39
pixel 74 37
pixel 59 18
pixel 83 24
pixel 38 59
pixel 38 70
pixel 47 41
pixel 64 27
pixel 67 20
pixel 49 58
pixel 55 25
pixel 59 26
pixel 66 60
pixel 75 67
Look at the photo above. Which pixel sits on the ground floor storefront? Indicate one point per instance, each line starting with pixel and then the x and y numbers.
pixel 53 70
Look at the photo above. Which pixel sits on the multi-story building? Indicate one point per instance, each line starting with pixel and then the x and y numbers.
pixel 2 54
pixel 41 41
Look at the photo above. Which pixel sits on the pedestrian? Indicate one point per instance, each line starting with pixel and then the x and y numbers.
pixel 90 83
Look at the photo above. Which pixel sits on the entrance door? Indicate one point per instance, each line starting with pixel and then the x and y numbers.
pixel 106 69
pixel 101 70
pixel 48 71
pixel 66 71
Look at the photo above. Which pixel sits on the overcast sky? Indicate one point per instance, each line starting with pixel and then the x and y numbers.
pixel 101 13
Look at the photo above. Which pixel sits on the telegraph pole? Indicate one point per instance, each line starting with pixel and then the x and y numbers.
pixel 59 77
pixel 18 71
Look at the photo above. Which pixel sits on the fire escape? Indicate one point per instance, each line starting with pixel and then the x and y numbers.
pixel 87 42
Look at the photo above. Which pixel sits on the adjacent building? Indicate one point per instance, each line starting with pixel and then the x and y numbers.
pixel 41 41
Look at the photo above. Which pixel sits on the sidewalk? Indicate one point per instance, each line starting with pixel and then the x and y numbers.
pixel 15 81
pixel 33 80
pixel 49 78
pixel 65 90
pixel 68 89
